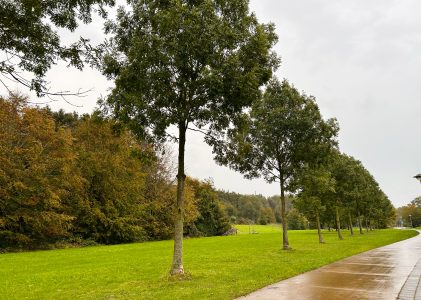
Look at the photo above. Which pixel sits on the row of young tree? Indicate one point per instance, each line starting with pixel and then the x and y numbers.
pixel 284 139
pixel 308 208
pixel 342 191
pixel 197 65
pixel 71 179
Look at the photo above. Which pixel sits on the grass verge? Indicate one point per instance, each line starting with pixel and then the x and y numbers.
pixel 219 267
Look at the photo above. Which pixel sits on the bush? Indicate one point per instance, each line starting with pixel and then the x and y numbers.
pixel 296 220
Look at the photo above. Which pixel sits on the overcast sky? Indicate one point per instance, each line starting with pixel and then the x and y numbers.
pixel 360 59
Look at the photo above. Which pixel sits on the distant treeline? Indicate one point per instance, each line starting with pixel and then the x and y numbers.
pixel 410 214
pixel 257 209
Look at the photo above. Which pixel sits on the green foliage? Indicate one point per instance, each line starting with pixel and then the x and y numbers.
pixel 342 188
pixel 315 185
pixel 252 209
pixel 220 267
pixel 266 216
pixel 296 220
pixel 63 119
pixel 283 133
pixel 413 209
pixel 184 62
pixel 158 200
pixel 357 191
pixel 212 219
pixel 29 39
pixel 108 207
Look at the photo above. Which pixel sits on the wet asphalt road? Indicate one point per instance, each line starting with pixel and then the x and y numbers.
pixel 389 272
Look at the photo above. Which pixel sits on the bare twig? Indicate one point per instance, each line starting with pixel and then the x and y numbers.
pixel 16 77
pixel 7 88
pixel 205 133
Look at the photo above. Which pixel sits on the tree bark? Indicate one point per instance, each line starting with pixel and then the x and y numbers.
pixel 285 243
pixel 319 231
pixel 350 223
pixel 338 224
pixel 366 224
pixel 359 223
pixel 177 265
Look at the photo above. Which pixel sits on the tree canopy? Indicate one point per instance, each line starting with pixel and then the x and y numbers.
pixel 410 214
pixel 34 158
pixel 283 133
pixel 315 185
pixel 29 40
pixel 342 188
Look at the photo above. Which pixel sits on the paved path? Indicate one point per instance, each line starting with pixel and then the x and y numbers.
pixel 388 272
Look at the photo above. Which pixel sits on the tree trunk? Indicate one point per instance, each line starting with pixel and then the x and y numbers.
pixel 366 224
pixel 319 231
pixel 338 224
pixel 177 265
pixel 359 224
pixel 285 243
pixel 350 223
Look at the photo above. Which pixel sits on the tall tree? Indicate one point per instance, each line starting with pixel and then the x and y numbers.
pixel 29 40
pixel 283 133
pixel 184 63
pixel 315 184
pixel 355 186
pixel 384 214
pixel 342 171
pixel 356 191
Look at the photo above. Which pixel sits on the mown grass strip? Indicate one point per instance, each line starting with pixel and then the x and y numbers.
pixel 219 267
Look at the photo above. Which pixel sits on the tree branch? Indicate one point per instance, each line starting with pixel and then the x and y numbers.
pixel 205 133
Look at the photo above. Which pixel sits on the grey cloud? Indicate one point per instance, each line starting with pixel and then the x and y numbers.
pixel 360 59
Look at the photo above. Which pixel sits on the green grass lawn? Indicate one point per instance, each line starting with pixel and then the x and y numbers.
pixel 220 267
pixel 252 229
